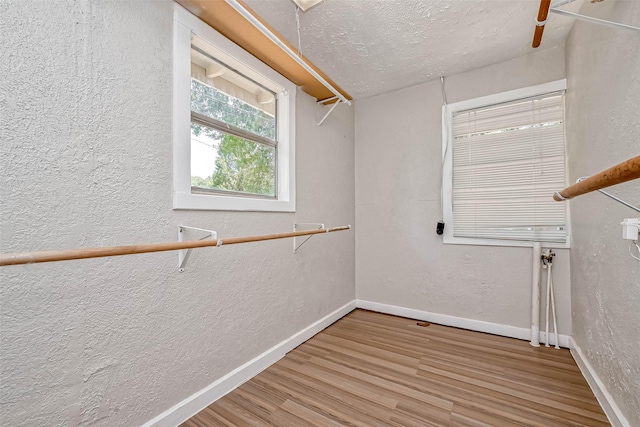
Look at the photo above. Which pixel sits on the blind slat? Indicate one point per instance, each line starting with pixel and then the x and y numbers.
pixel 507 161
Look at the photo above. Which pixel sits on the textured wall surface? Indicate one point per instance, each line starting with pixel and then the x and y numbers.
pixel 85 160
pixel 400 259
pixel 603 117
pixel 372 47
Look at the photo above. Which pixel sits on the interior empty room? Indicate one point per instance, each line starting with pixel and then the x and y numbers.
pixel 320 213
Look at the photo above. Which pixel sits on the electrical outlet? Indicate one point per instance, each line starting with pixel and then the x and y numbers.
pixel 630 228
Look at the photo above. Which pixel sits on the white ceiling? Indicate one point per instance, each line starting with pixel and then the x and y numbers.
pixel 374 46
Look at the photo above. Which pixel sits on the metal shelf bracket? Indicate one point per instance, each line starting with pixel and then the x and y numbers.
pixel 324 103
pixel 304 239
pixel 611 196
pixel 183 254
pixel 554 9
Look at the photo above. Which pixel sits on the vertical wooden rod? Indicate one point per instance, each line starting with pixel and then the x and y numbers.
pixel 543 12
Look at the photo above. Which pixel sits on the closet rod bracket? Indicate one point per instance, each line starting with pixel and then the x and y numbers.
pixel 297 245
pixel 612 24
pixel 333 107
pixel 611 196
pixel 183 254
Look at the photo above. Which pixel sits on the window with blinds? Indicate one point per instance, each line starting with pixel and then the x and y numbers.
pixel 507 160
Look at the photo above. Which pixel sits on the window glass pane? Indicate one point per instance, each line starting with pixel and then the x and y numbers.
pixel 220 161
pixel 218 105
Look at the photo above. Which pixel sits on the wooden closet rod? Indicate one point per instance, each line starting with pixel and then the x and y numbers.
pixel 622 172
pixel 70 254
pixel 543 13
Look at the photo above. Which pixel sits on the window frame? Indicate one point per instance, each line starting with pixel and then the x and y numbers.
pixel 447 162
pixel 186 25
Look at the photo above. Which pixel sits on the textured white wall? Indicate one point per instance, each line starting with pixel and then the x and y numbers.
pixel 603 68
pixel 400 259
pixel 85 102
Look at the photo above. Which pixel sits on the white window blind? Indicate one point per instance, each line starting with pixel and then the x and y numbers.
pixel 254 96
pixel 508 159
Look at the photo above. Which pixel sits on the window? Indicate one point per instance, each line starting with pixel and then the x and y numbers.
pixel 233 125
pixel 504 156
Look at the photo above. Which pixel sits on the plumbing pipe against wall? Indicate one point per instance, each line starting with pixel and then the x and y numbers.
pixel 71 254
pixel 547 262
pixel 535 295
pixel 548 301
pixel 543 12
pixel 622 172
pixel 553 308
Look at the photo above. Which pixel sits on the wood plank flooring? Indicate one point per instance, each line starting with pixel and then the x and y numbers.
pixel 370 369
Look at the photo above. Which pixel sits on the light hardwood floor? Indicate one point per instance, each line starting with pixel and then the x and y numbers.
pixel 370 369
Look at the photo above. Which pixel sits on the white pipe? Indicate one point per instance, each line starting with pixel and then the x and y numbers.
pixel 535 295
pixel 264 30
pixel 553 307
pixel 546 331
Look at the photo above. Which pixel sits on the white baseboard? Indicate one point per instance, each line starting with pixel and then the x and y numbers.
pixel 460 322
pixel 611 410
pixel 205 397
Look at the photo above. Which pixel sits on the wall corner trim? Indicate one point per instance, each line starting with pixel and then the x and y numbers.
pixel 198 401
pixel 611 410
pixel 459 322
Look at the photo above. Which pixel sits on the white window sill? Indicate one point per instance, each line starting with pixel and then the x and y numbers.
pixel 450 240
pixel 189 201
